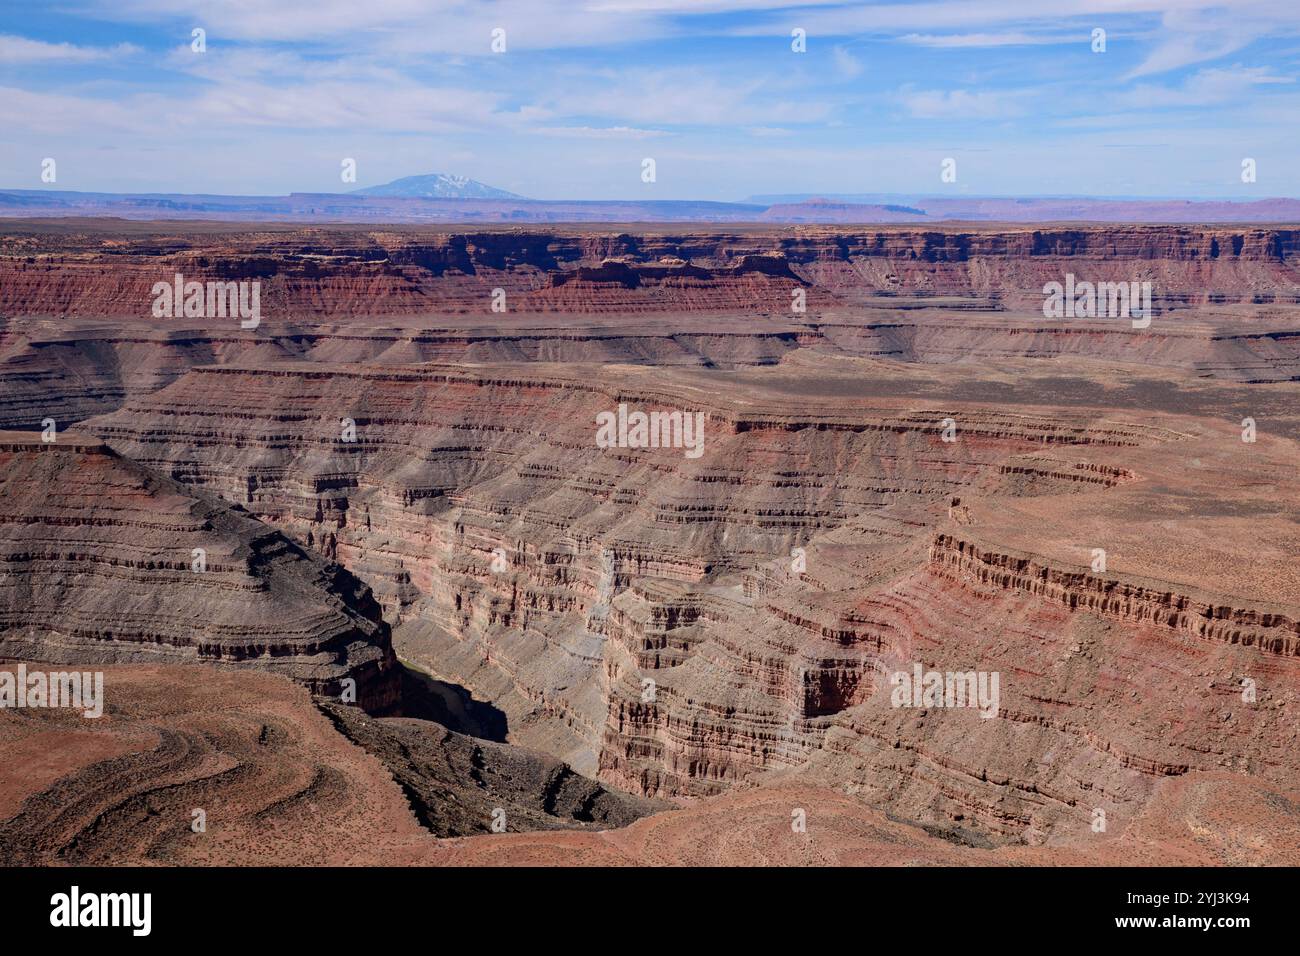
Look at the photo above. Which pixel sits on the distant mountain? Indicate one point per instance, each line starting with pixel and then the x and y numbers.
pixel 395 205
pixel 436 186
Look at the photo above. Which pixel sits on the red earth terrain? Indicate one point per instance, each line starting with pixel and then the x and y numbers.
pixel 654 655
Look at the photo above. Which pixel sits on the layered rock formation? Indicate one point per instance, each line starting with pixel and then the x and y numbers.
pixel 359 271
pixel 273 783
pixel 484 492
pixel 479 505
pixel 1224 299
pixel 891 480
pixel 278 786
pixel 103 561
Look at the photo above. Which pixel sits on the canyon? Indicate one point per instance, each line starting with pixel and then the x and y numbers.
pixel 641 656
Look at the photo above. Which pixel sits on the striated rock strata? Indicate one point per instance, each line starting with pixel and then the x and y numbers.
pixel 917 472
pixel 103 561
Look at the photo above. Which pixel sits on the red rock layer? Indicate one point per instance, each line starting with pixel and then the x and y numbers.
pixel 1127 601
pixel 692 626
pixel 450 465
pixel 359 270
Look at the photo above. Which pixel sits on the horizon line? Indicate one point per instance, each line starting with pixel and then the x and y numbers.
pixel 757 199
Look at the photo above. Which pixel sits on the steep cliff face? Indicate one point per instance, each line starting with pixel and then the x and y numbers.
pixel 80 336
pixel 1132 642
pixel 1096 708
pixel 1273 632
pixel 357 271
pixel 483 495
pixel 103 561
pixel 72 370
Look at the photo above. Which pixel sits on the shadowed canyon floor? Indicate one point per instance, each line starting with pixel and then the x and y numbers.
pixel 676 650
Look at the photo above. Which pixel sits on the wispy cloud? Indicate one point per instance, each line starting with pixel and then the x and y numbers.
pixel 1213 87
pixel 286 89
pixel 960 104
pixel 958 41
pixel 608 132
pixel 847 66
pixel 1191 38
pixel 682 97
pixel 461 27
pixel 16 49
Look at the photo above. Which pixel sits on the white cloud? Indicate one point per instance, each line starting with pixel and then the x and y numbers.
pixel 16 49
pixel 54 113
pixel 346 107
pixel 461 27
pixel 968 40
pixel 847 66
pixel 681 97
pixel 1213 87
pixel 1201 32
pixel 609 132
pixel 959 104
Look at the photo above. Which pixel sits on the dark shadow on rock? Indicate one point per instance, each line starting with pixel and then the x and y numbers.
pixel 451 705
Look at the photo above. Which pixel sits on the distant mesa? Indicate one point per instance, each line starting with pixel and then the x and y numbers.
pixel 439 197
pixel 436 186
pixel 820 209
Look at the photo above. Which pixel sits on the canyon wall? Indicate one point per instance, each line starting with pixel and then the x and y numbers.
pixel 103 561
pixel 918 470
pixel 409 271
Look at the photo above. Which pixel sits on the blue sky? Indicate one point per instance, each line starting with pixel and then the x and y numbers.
pixel 584 91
